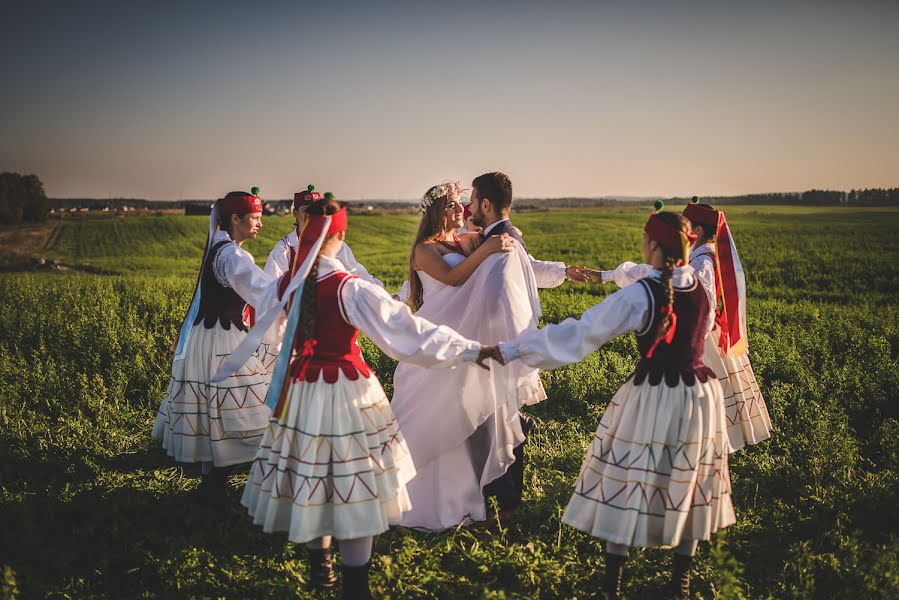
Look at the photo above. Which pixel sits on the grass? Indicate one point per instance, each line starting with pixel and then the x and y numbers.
pixel 91 507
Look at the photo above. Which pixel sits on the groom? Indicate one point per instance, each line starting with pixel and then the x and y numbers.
pixel 491 201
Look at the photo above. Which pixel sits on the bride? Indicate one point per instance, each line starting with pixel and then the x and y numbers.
pixel 483 290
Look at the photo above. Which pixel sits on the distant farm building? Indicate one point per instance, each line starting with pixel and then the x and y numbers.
pixel 198 208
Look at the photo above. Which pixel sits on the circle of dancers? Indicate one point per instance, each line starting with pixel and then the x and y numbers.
pixel 268 371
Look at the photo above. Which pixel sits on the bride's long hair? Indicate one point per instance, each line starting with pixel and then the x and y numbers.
pixel 432 225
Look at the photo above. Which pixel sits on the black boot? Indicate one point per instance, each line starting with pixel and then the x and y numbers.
pixel 611 580
pixel 213 488
pixel 321 569
pixel 680 576
pixel 355 582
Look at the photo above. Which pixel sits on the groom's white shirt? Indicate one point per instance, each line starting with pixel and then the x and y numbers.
pixel 548 274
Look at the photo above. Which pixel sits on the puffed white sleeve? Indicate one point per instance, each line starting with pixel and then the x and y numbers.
pixel 403 294
pixel 278 260
pixel 400 334
pixel 235 268
pixel 354 267
pixel 704 268
pixel 547 273
pixel 627 273
pixel 573 339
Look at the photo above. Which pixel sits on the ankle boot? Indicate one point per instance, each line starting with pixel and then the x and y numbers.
pixel 680 576
pixel 355 582
pixel 321 569
pixel 611 580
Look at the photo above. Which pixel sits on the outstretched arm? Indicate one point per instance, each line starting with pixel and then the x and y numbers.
pixel 429 260
pixel 551 274
pixel 400 334
pixel 354 267
pixel 625 274
pixel 573 339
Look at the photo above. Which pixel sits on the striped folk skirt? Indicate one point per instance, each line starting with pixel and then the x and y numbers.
pixel 656 471
pixel 334 463
pixel 222 423
pixel 748 422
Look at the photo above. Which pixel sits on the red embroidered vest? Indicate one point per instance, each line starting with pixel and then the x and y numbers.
pixel 334 348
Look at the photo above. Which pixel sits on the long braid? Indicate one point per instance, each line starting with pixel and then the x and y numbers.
pixel 666 302
pixel 672 261
pixel 309 305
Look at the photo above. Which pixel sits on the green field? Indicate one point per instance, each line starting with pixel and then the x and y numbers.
pixel 91 507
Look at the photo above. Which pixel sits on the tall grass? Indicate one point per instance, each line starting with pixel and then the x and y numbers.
pixel 90 507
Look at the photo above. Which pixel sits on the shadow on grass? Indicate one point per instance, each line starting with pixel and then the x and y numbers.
pixel 114 527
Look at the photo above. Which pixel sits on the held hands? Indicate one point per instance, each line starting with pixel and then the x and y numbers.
pixel 489 352
pixel 583 274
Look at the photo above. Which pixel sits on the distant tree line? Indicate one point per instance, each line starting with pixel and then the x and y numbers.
pixel 22 199
pixel 866 197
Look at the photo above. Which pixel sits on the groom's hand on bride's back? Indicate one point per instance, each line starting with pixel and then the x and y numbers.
pixel 489 352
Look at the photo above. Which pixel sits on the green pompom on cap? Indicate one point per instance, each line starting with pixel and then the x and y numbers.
pixel 659 205
pixel 329 196
pixel 695 200
pixel 254 190
pixel 310 187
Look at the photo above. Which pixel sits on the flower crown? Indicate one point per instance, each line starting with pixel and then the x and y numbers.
pixel 437 192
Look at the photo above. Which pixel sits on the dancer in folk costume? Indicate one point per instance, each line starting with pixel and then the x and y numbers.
pixel 279 261
pixel 714 258
pixel 656 472
pixel 219 424
pixel 333 462
pixel 717 264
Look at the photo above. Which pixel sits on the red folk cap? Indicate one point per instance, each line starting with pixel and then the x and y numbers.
pixel 674 240
pixel 708 217
pixel 239 203
pixel 306 197
pixel 315 224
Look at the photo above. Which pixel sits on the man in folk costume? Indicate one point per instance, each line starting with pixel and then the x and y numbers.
pixel 656 473
pixel 491 202
pixel 333 462
pixel 219 424
pixel 281 258
pixel 717 264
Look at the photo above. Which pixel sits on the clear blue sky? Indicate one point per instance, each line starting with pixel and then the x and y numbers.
pixel 381 100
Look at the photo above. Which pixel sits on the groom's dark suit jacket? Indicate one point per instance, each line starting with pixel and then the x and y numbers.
pixel 507 227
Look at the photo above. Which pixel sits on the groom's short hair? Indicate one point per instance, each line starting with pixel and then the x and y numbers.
pixel 495 187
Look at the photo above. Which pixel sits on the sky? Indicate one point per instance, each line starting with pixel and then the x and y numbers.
pixel 169 100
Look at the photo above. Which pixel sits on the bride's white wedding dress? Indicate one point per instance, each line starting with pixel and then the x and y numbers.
pixel 438 410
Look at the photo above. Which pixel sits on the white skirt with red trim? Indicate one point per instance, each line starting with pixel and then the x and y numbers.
pixel 748 422
pixel 656 472
pixel 334 463
pixel 220 423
